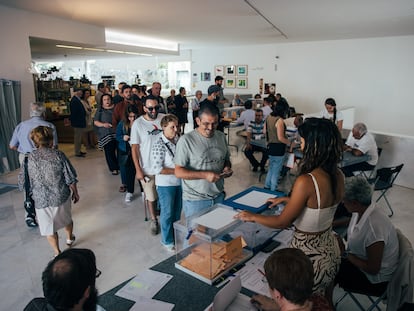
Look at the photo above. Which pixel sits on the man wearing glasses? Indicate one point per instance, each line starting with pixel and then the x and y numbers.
pixel 69 282
pixel 202 160
pixel 144 133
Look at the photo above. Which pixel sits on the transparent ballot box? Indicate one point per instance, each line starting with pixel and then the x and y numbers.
pixel 204 247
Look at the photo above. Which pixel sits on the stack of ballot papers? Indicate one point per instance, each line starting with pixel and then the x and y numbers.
pixel 143 287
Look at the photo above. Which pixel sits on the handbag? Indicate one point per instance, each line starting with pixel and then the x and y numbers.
pixel 28 201
pixel 276 149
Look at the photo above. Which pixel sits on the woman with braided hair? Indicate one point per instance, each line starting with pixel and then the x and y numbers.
pixel 332 114
pixel 313 201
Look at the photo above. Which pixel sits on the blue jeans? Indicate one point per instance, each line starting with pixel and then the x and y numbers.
pixel 170 200
pixel 192 207
pixel 275 166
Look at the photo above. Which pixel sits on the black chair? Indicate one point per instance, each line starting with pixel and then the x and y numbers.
pixel 369 173
pixel 384 180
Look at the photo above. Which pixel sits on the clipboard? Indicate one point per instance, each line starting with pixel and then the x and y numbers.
pixel 236 201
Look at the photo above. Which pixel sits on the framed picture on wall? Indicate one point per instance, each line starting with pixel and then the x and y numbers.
pixel 242 70
pixel 241 83
pixel 230 70
pixel 230 83
pixel 205 76
pixel 219 70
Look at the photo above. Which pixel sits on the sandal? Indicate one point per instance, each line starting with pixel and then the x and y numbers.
pixel 70 242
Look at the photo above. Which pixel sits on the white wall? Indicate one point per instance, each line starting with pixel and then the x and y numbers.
pixel 373 75
pixel 15 28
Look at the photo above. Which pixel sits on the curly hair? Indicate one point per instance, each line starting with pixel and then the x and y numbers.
pixel 323 147
pixel 42 136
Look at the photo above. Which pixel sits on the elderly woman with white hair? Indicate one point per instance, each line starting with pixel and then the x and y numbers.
pixel 371 256
pixel 359 143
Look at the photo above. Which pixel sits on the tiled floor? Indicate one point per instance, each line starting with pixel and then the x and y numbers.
pixel 114 230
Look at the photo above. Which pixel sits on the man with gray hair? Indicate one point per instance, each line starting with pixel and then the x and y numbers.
pixel 360 142
pixel 22 143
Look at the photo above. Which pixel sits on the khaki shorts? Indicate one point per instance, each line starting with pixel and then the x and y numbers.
pixel 149 188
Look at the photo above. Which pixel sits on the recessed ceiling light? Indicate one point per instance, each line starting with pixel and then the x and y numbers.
pixel 69 47
pixel 94 49
pixel 118 37
pixel 115 51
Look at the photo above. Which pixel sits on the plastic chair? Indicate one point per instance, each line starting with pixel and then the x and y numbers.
pixel 384 180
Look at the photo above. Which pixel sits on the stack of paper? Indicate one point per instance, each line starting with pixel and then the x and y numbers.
pixel 143 287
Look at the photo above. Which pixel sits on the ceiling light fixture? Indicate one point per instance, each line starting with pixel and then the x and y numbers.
pixel 94 49
pixel 265 18
pixel 118 37
pixel 115 51
pixel 69 47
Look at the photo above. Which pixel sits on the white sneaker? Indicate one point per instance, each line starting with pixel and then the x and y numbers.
pixel 128 197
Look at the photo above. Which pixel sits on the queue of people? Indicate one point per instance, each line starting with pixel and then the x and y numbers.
pixel 186 173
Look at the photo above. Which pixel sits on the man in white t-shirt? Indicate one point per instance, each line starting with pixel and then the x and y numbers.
pixel 144 132
pixel 360 142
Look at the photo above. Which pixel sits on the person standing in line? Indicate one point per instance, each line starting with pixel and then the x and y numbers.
pixel 77 121
pixel 89 136
pixel 156 93
pixel 277 142
pixel 123 135
pixel 168 185
pixel 144 133
pixel 181 105
pixel 53 184
pixel 22 143
pixel 202 161
pixel 195 106
pixel 171 103
pixel 106 133
pixel 332 114
pixel 99 93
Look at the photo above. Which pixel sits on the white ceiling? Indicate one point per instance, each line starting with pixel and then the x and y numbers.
pixel 202 23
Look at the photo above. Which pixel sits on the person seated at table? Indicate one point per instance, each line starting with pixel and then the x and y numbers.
pixel 371 256
pixel 312 203
pixel 237 101
pixel 289 274
pixel 359 143
pixel 69 283
pixel 332 114
pixel 255 131
pixel 247 115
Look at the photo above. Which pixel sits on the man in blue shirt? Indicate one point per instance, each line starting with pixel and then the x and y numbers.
pixel 22 143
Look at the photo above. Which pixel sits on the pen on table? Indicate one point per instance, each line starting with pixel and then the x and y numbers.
pixel 261 272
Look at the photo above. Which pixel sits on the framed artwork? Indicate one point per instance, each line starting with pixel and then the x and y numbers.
pixel 205 76
pixel 219 70
pixel 242 70
pixel 230 70
pixel 241 83
pixel 270 88
pixel 230 83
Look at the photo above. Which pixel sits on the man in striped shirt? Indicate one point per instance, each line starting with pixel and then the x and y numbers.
pixel 255 132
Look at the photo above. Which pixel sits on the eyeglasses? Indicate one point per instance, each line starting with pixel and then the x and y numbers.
pixel 152 108
pixel 98 273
